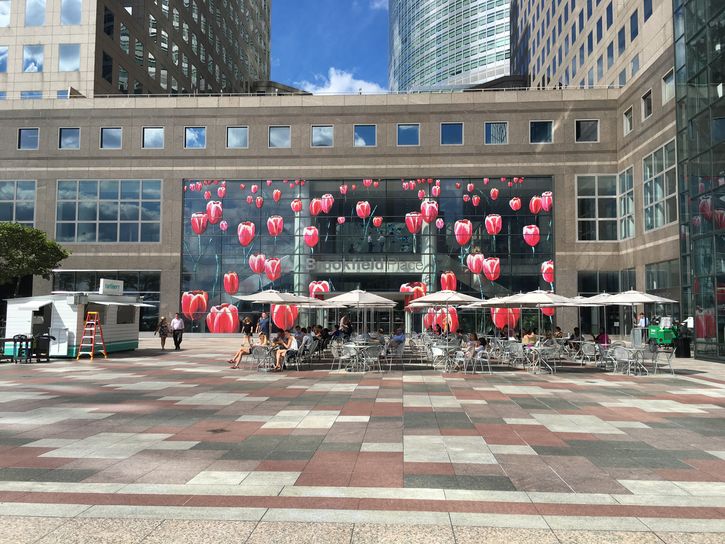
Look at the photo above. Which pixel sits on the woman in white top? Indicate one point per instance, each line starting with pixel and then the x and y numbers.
pixel 286 343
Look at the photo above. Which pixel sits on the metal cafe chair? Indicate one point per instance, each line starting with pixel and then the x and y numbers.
pixel 262 356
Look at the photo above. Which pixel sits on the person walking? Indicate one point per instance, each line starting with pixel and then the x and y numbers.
pixel 163 330
pixel 248 329
pixel 177 331
pixel 263 325
pixel 381 242
pixel 370 243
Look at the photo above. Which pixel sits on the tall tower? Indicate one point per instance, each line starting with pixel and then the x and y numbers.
pixel 437 44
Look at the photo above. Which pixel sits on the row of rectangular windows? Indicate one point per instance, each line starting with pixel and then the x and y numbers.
pixel 279 137
pixel 35 12
pixel 69 58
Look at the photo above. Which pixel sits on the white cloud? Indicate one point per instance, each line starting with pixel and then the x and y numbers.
pixel 340 82
pixel 379 4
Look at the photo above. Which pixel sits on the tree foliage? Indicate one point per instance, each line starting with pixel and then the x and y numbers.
pixel 27 251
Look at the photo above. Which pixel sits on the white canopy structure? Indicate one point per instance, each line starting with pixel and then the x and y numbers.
pixel 443 298
pixel 361 299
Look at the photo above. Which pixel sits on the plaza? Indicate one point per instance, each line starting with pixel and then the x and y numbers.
pixel 165 446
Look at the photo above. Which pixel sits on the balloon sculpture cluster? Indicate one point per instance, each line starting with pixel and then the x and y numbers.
pixel 225 318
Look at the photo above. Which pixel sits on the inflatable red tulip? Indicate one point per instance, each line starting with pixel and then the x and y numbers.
pixel 275 225
pixel 548 311
pixel 221 192
pixel 362 208
pixel 463 230
pixel 704 206
pixel 343 189
pixel 311 236
pixel 284 315
pixel 405 185
pixel 242 186
pixel 485 181
pixel 223 319
pixel 493 193
pixel 223 226
pixel 413 290
pixel 257 262
pixel 377 221
pixel 276 195
pixel 194 303
pixel 475 200
pixel 269 182
pixel 367 183
pixel 531 235
pixel 429 318
pixel 429 210
pixel 413 222
pixel 318 287
pixel 231 283
pixel 470 187
pixel 547 201
pixel 435 191
pixel 515 203
pixel 493 224
pixel 547 271
pixel 492 268
pixel 273 268
pixel 245 232
pixel 505 317
pixel 259 202
pixel 315 206
pixel 718 218
pixel 535 204
pixel 376 184
pixel 421 194
pixel 296 205
pixel 341 220
pixel 448 281
pixel 255 188
pixel 327 201
pixel 440 223
pixel 474 262
pixel 199 222
pixel 250 199
pixel 207 195
pixel 466 198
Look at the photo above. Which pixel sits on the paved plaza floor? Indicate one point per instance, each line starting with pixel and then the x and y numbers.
pixel 156 447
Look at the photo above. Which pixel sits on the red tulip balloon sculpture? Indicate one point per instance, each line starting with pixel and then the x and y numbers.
pixel 276 195
pixel 296 205
pixel 223 319
pixel 214 211
pixel 257 262
pixel 535 204
pixel 221 192
pixel 470 187
pixel 318 287
pixel 414 222
pixel 547 271
pixel 548 311
pixel 492 268
pixel 531 235
pixel 463 230
pixel 207 195
pixel 273 268
pixel 223 225
pixel 515 203
pixel 429 210
pixel 341 220
pixel 259 202
pixel 475 200
pixel 448 281
pixel 327 201
pixel 377 221
pixel 275 225
pixel 505 317
pixel 284 315
pixel 231 283
pixel 311 236
pixel 362 208
pixel 199 222
pixel 547 201
pixel 493 224
pixel 421 194
pixel 440 223
pixel 315 206
pixel 245 232
pixel 474 262
pixel 429 318
pixel 435 191
pixel 413 290
pixel 250 200
pixel 343 189
pixel 194 303
pixel 493 193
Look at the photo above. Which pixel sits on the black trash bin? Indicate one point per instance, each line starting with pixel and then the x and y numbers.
pixel 682 347
pixel 41 347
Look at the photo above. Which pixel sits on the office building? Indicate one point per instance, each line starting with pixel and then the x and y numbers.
pixel 438 44
pixel 57 48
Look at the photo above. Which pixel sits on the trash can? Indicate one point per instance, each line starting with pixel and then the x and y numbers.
pixel 682 347
pixel 42 347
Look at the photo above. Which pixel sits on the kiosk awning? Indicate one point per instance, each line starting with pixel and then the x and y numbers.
pixel 34 305
pixel 137 304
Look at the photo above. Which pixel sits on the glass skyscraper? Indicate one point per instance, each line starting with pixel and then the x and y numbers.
pixel 439 43
pixel 700 79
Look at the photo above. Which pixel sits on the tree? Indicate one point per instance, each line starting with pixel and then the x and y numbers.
pixel 27 251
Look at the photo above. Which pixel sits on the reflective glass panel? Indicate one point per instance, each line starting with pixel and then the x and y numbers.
pixel 28 138
pixel 408 134
pixel 195 137
pixel 69 138
pixel 3 59
pixel 69 57
pixel 322 136
pixel 541 132
pixel 70 12
pixel 111 137
pixel 496 133
pixel 364 136
pixel 237 137
pixel 451 133
pixel 34 12
pixel 587 131
pixel 33 58
pixel 153 138
pixel 279 137
pixel 4 13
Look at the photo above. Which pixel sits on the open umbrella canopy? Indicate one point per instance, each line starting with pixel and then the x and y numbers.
pixel 488 303
pixel 537 298
pixel 443 298
pixel 580 301
pixel 363 299
pixel 632 297
pixel 275 297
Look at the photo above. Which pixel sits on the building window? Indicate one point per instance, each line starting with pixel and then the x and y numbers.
pixel 635 64
pixel 323 136
pixel 4 13
pixel 237 137
pixel 610 55
pixel 623 78
pixel 626 204
pixel 610 15
pixel 69 57
pixel 90 211
pixel 621 41
pixel 633 26
pixel 408 134
pixel 34 12
pixel 107 67
pixel 660 187
pixel 3 59
pixel 597 208
pixel 587 130
pixel 364 136
pixel 627 121
pixel 668 87
pixel 647 8
pixel 647 104
pixel 28 138
pixel 541 132
pixel 195 138
pixel 111 137
pixel 124 38
pixel 451 133
pixel 32 58
pixel 279 137
pixel 31 95
pixel 69 138
pixel 662 276
pixel 123 80
pixel 70 12
pixel 108 22
pixel 17 202
pixel 62 95
pixel 153 138
pixel 496 133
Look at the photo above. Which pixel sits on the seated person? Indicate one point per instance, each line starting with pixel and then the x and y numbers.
pixel 377 336
pixel 263 339
pixel 299 333
pixel 602 338
pixel 244 349
pixel 287 344
pixel 396 340
pixel 558 333
pixel 337 333
pixel 575 336
pixel 307 339
pixel 529 338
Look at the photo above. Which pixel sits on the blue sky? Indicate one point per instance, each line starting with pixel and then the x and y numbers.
pixel 330 46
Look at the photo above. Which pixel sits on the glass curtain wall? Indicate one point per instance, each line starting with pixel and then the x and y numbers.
pixel 371 237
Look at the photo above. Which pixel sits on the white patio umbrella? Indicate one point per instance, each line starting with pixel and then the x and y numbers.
pixel 443 298
pixel 357 298
pixel 633 297
pixel 276 297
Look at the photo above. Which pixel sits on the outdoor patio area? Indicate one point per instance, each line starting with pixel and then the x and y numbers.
pixel 174 446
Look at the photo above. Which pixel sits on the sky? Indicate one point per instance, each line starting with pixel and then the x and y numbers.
pixel 330 46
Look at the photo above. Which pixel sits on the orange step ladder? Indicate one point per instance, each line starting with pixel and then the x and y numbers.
pixel 91 331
